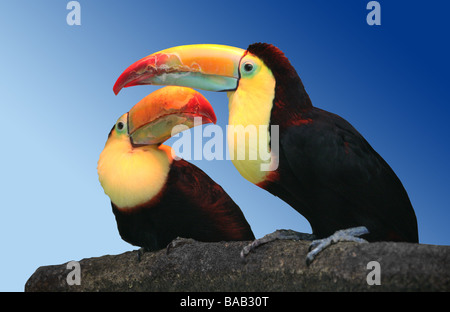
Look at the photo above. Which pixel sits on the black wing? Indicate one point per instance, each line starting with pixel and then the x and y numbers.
pixel 344 182
pixel 216 214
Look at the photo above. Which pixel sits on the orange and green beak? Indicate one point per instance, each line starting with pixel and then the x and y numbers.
pixel 208 67
pixel 152 120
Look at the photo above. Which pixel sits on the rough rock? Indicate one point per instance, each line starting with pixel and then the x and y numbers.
pixel 277 266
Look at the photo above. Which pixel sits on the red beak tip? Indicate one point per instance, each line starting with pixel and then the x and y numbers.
pixel 116 89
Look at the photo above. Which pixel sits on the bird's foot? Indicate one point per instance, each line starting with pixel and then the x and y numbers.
pixel 347 235
pixel 277 235
pixel 140 252
pixel 177 242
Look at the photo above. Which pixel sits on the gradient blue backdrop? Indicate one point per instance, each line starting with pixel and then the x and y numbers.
pixel 57 106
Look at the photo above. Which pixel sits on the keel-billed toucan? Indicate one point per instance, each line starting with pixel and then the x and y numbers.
pixel 156 198
pixel 324 168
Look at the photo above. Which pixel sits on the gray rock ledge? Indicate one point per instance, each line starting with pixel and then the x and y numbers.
pixel 276 266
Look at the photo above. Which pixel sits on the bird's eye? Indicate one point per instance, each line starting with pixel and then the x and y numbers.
pixel 248 67
pixel 120 125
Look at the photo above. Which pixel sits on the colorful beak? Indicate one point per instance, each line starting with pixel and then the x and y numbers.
pixel 208 67
pixel 152 120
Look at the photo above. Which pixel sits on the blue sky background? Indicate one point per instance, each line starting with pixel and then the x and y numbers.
pixel 390 81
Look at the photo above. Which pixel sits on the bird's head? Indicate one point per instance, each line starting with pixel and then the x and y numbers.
pixel 134 165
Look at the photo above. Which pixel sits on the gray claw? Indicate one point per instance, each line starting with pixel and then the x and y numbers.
pixel 177 242
pixel 140 253
pixel 277 235
pixel 347 235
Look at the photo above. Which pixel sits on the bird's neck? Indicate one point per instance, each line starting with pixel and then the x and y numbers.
pixel 133 176
pixel 248 133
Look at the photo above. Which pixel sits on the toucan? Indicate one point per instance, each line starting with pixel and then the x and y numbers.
pixel 156 196
pixel 323 167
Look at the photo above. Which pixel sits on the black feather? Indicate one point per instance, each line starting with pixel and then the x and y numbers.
pixel 327 171
pixel 191 205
